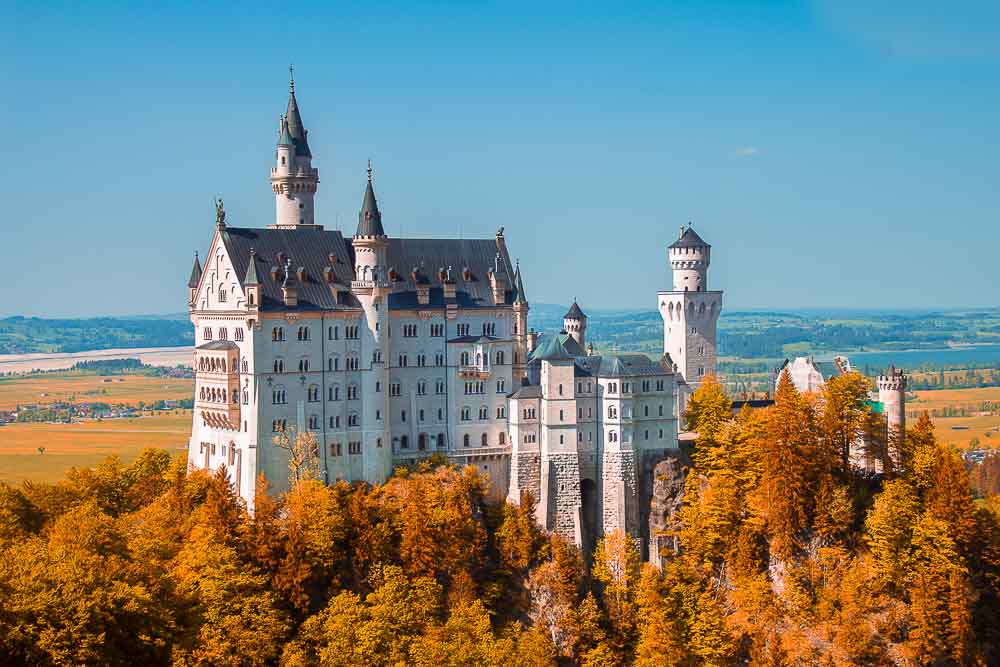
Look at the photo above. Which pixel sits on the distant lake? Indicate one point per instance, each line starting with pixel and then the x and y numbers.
pixel 914 359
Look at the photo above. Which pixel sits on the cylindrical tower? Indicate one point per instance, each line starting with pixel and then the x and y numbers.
pixel 689 260
pixel 892 396
pixel 293 179
pixel 575 324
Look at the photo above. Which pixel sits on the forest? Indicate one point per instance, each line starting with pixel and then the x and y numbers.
pixel 783 554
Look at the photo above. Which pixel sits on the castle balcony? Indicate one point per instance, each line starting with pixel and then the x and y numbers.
pixel 474 372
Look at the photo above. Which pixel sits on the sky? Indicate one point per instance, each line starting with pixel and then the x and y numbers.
pixel 835 153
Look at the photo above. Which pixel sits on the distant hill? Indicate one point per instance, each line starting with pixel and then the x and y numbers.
pixel 23 335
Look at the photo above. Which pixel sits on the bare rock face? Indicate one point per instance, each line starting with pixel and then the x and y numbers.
pixel 665 505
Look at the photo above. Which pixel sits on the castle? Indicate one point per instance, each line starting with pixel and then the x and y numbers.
pixel 388 350
pixel 887 399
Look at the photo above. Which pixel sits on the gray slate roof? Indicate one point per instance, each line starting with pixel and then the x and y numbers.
pixel 195 273
pixel 428 256
pixel 295 126
pixel 623 365
pixel 519 295
pixel 527 391
pixel 317 250
pixel 369 218
pixel 574 312
pixel 689 239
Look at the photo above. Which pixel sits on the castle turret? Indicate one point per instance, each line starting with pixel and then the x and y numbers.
pixel 689 259
pixel 892 396
pixel 522 346
pixel 371 287
pixel 690 314
pixel 575 323
pixel 293 178
pixel 193 281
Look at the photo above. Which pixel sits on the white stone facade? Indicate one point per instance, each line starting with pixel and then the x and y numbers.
pixel 389 350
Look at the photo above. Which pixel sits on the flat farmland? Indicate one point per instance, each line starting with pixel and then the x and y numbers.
pixel 47 388
pixel 960 431
pixel 85 444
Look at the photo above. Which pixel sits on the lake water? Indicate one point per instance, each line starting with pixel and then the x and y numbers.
pixel 915 359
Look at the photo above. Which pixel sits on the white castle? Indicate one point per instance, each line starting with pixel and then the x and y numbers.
pixel 388 350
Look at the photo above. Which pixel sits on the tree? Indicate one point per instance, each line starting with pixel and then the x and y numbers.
pixel 843 418
pixel 708 411
pixel 889 531
pixel 303 454
pixel 616 566
pixel 788 446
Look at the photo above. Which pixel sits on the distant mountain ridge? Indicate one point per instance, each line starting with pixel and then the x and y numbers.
pixel 754 334
pixel 24 335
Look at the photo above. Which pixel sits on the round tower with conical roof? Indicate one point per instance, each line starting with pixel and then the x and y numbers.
pixel 575 324
pixel 293 178
pixel 690 313
pixel 371 288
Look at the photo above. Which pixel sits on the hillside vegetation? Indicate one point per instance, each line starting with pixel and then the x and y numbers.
pixel 23 335
pixel 785 556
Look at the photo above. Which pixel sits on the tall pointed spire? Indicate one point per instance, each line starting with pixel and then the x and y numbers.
pixel 518 285
pixel 251 277
pixel 370 219
pixel 195 273
pixel 294 120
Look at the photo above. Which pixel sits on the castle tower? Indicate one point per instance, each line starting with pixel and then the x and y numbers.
pixel 690 313
pixel 293 178
pixel 193 282
pixel 520 328
pixel 575 324
pixel 371 287
pixel 892 396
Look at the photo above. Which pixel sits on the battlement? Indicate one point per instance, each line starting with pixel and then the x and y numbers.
pixel 893 380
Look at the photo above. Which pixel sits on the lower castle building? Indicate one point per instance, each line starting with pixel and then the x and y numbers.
pixel 388 349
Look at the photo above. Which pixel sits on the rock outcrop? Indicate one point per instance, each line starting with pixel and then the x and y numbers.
pixel 664 506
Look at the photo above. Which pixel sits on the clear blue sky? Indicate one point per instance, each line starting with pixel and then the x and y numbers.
pixel 834 152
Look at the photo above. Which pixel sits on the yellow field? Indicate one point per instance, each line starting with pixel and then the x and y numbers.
pixel 85 444
pixel 985 428
pixel 44 389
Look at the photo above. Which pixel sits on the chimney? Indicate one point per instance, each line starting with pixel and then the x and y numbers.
pixel 532 340
pixel 449 285
pixel 498 284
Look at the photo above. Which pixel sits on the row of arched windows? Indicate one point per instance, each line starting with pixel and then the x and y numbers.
pixel 216 395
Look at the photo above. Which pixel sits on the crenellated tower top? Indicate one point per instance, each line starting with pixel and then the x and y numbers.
pixel 689 260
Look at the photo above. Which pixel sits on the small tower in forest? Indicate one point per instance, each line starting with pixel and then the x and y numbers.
pixel 892 396
pixel 293 178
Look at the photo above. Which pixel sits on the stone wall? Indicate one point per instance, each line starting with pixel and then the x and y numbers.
pixel 620 492
pixel 525 475
pixel 563 510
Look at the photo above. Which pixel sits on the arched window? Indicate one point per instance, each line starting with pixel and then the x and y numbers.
pixel 503 438
pixel 404 442
pixel 465 440
pixel 440 440
pixel 485 440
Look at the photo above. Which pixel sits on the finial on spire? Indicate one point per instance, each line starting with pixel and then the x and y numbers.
pixel 291 78
pixel 369 170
